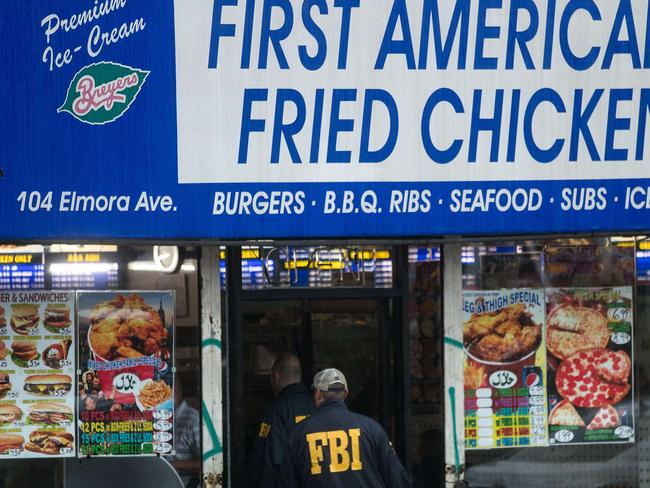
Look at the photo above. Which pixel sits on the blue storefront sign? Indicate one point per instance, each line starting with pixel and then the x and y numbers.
pixel 233 119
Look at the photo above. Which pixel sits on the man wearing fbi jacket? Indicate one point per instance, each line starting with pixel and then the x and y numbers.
pixel 293 403
pixel 338 448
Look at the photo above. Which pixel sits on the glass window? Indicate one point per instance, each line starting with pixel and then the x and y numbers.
pixel 591 298
pixel 111 267
pixel 425 360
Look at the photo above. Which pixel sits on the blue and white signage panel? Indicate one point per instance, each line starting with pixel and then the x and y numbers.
pixel 323 118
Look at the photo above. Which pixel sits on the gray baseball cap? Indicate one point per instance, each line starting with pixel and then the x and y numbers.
pixel 330 379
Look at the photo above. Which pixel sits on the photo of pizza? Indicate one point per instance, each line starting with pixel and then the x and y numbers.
pixel 565 414
pixel 606 418
pixel 594 377
pixel 507 334
pixel 571 329
pixel 589 364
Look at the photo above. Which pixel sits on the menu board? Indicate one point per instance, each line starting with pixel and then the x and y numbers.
pixel 590 346
pixel 504 369
pixel 24 271
pixel 126 397
pixel 36 370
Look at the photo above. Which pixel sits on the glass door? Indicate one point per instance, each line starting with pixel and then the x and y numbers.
pixel 348 335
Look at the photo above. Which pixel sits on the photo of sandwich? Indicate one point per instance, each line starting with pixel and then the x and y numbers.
pixel 5 385
pixel 23 352
pixel 48 384
pixel 9 414
pixel 46 442
pixel 3 320
pixel 55 354
pixel 57 317
pixel 3 350
pixel 10 442
pixel 24 317
pixel 43 413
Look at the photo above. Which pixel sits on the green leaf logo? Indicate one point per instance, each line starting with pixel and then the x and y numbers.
pixel 100 93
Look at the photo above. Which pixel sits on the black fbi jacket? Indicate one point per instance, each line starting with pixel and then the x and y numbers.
pixel 337 448
pixel 292 405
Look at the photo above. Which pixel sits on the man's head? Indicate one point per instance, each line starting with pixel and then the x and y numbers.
pixel 285 371
pixel 329 384
pixel 91 404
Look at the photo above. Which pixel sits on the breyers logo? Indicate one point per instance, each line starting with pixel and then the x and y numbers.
pixel 100 93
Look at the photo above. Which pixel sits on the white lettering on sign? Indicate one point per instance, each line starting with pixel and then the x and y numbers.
pixel 54 24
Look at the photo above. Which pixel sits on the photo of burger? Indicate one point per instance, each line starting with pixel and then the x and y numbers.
pixel 5 385
pixel 57 317
pixel 50 414
pixel 9 414
pixel 37 374
pixel 46 442
pixel 24 317
pixel 48 384
pixel 10 442
pixel 23 352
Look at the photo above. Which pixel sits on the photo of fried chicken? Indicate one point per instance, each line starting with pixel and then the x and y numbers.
pixel 125 327
pixel 504 335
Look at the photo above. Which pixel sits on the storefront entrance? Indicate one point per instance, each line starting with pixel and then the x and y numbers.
pixel 352 335
pixel 356 328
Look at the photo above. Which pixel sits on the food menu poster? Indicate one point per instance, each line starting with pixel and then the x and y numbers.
pixel 125 386
pixel 590 357
pixel 504 369
pixel 36 374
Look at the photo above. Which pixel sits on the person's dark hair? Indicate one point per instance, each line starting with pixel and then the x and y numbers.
pixel 288 366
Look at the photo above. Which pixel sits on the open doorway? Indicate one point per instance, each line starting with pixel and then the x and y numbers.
pixel 349 334
pixel 381 329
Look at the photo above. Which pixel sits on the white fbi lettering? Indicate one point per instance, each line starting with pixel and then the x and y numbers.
pixel 343 449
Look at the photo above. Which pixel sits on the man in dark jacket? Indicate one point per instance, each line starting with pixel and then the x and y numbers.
pixel 293 403
pixel 336 448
